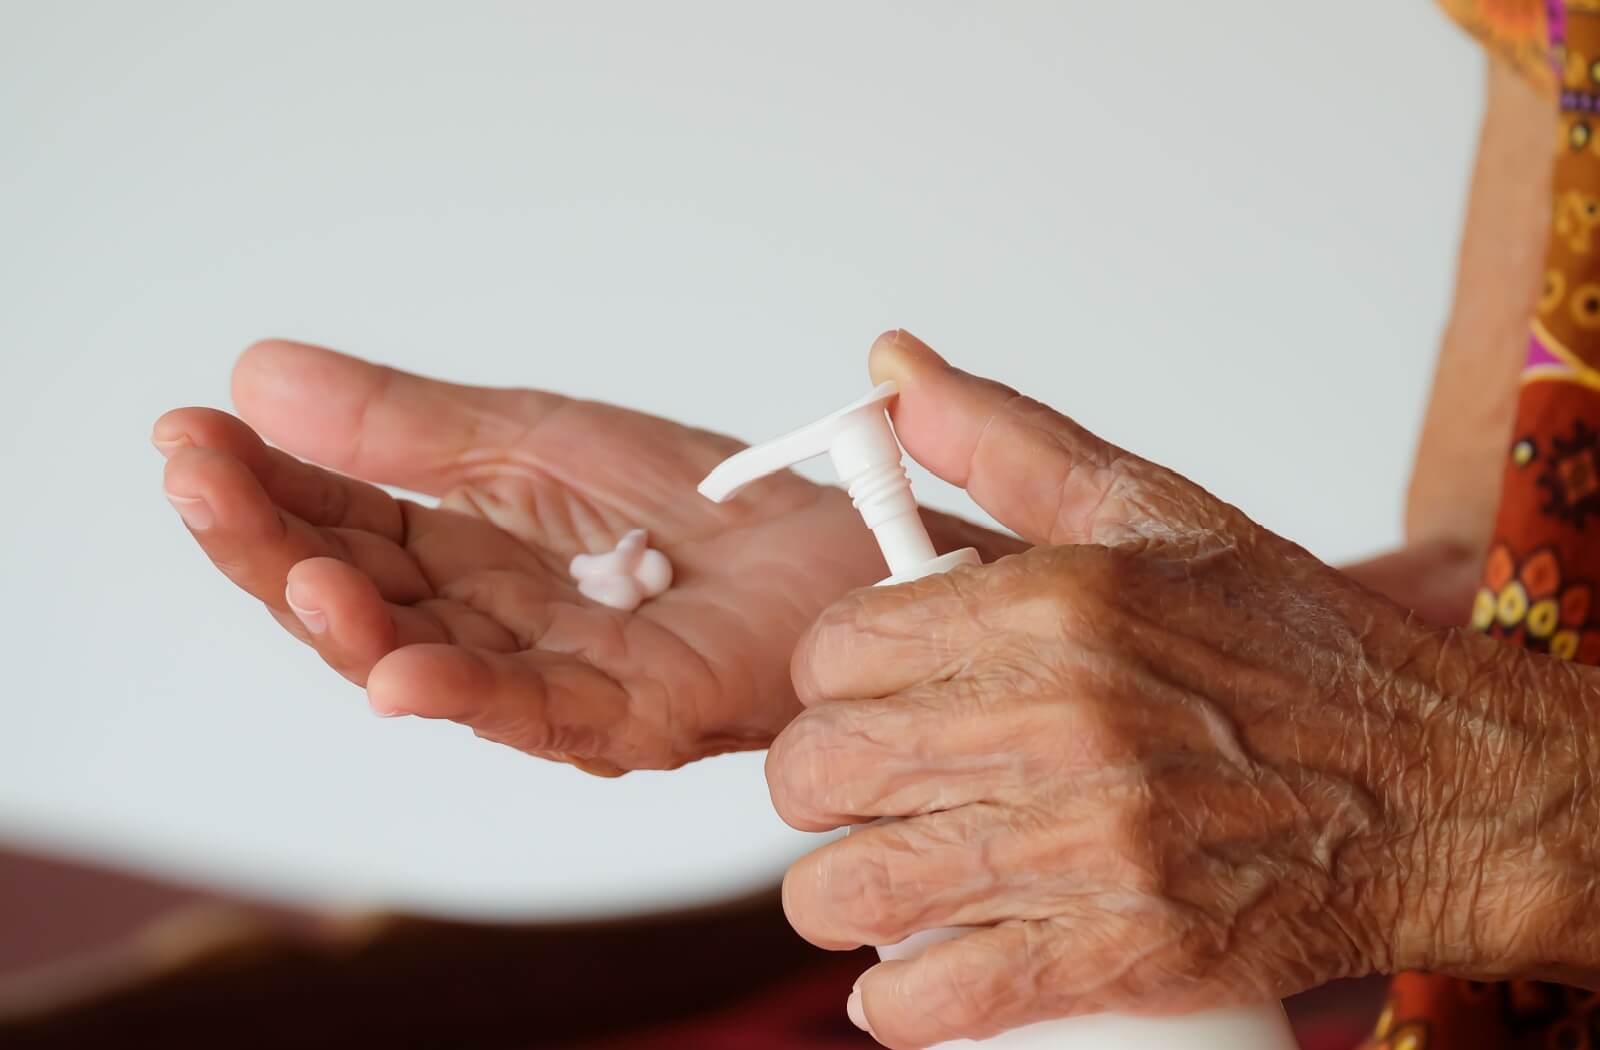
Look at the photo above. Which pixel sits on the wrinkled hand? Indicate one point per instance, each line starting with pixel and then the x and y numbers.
pixel 1164 761
pixel 465 611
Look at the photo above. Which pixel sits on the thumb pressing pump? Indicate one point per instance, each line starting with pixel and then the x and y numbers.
pixel 866 456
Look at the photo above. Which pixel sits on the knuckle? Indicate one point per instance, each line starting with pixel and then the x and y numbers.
pixel 866 892
pixel 960 988
pixel 1066 592
pixel 339 546
pixel 823 647
pixel 1198 951
pixel 1111 740
pixel 181 464
pixel 1093 731
pixel 332 502
pixel 209 427
pixel 843 618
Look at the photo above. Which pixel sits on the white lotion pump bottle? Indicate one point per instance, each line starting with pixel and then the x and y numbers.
pixel 866 456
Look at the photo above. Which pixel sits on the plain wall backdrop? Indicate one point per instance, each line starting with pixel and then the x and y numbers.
pixel 1220 234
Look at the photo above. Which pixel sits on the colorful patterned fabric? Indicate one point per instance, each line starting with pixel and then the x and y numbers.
pixel 1540 574
pixel 1526 34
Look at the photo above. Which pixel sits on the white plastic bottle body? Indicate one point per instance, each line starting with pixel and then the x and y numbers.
pixel 1263 1027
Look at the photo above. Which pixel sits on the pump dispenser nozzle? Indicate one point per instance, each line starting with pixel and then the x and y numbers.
pixel 866 456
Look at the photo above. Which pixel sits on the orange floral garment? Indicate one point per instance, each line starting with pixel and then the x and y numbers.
pixel 1541 571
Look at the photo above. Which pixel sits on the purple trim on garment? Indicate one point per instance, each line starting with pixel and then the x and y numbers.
pixel 1580 102
pixel 1539 354
pixel 1556 25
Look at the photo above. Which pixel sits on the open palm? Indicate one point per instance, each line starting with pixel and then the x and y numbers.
pixel 465 610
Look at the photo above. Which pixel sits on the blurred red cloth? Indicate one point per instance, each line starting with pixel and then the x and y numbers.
pixel 734 979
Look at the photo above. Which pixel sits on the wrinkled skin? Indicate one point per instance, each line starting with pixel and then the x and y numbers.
pixel 465 611
pixel 1164 760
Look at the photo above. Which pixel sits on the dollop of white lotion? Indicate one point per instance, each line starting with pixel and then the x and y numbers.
pixel 626 576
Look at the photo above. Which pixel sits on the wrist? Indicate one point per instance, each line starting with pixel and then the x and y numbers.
pixel 1500 872
pixel 1548 862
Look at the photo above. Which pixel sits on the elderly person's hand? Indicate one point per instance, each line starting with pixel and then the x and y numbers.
pixel 1165 760
pixel 465 610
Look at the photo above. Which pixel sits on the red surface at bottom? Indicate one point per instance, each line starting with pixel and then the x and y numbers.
pixel 804 1013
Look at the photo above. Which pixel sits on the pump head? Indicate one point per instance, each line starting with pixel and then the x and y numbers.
pixel 866 456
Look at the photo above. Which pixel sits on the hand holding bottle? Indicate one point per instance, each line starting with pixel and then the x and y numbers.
pixel 1164 761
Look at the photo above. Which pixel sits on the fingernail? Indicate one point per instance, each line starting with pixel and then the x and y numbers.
pixel 901 337
pixel 384 712
pixel 314 619
pixel 195 512
pixel 167 446
pixel 858 1016
pixel 893 355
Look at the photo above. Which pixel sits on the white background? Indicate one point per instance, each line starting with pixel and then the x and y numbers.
pixel 1221 234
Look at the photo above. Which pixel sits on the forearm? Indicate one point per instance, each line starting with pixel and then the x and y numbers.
pixel 1455 482
pixel 1497 869
pixel 1549 845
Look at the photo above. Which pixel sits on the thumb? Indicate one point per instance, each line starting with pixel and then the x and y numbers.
pixel 1040 474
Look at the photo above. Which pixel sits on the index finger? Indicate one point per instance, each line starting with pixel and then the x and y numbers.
pixel 378 423
pixel 879 641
